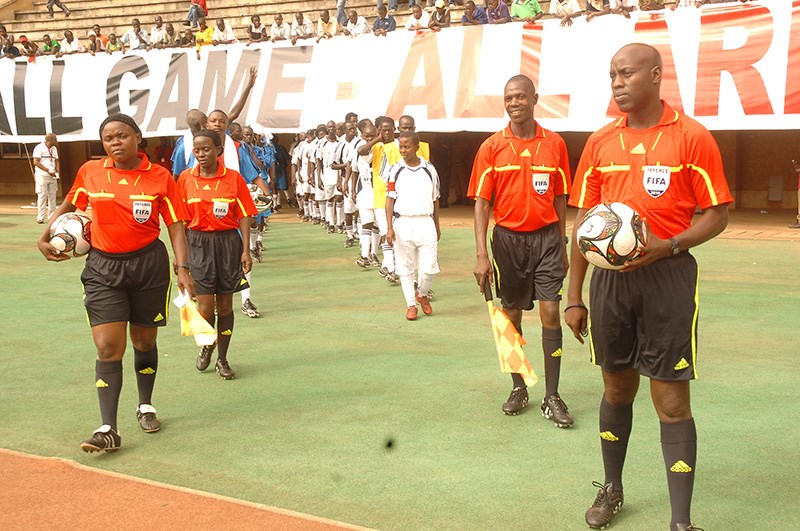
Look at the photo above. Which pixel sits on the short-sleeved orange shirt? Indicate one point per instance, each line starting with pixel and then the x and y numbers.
pixel 523 176
pixel 215 203
pixel 126 203
pixel 664 172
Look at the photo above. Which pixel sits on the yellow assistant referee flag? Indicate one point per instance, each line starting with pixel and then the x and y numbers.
pixel 193 323
pixel 508 342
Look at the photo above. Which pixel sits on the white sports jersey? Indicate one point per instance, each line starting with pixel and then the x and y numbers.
pixel 414 189
pixel 328 154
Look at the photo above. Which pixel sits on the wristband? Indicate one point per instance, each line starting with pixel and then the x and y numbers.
pixel 183 266
pixel 575 306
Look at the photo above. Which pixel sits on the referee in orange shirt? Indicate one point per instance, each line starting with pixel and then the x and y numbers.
pixel 522 172
pixel 220 209
pixel 126 278
pixel 644 319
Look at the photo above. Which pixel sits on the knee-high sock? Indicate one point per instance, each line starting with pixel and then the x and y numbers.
pixel 516 378
pixel 329 210
pixel 339 213
pixel 224 334
pixel 388 257
pixel 407 283
pixel 364 242
pixel 253 238
pixel 679 446
pixel 616 423
pixel 376 242
pixel 551 346
pixel 146 365
pixel 321 207
pixel 108 380
pixel 425 283
pixel 246 291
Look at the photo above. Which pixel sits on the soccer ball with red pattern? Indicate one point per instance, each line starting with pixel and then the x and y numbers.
pixel 71 233
pixel 611 234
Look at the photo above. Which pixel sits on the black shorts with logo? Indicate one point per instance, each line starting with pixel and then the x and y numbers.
pixel 215 259
pixel 528 266
pixel 646 319
pixel 130 287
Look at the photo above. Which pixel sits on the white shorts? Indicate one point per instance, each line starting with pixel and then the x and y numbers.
pixel 308 188
pixel 367 215
pixel 349 205
pixel 415 245
pixel 365 199
pixel 328 191
pixel 380 221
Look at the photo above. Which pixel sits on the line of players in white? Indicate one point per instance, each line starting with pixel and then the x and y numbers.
pixel 356 178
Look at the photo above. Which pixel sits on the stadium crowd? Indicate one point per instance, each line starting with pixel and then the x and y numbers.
pixel 435 17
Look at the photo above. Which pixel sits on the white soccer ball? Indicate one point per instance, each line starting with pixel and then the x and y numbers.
pixel 611 234
pixel 71 233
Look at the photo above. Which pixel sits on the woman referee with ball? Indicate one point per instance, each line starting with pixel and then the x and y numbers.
pixel 127 274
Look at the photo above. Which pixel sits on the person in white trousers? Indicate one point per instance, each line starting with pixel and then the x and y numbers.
pixel 45 172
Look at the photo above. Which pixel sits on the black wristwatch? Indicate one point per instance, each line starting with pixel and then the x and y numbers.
pixel 182 266
pixel 566 239
pixel 676 248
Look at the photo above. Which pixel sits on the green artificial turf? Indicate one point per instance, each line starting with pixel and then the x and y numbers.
pixel 332 373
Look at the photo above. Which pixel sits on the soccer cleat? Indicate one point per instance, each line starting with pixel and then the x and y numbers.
pixel 341 228
pixel 146 415
pixel 204 357
pixel 330 229
pixel 224 370
pixel 249 309
pixel 554 408
pixel 362 261
pixel 256 254
pixel 795 225
pixel 411 313
pixel 104 439
pixel 607 503
pixel 425 304
pixel 315 221
pixel 306 219
pixel 373 261
pixel 348 243
pixel 383 271
pixel 391 278
pixel 516 402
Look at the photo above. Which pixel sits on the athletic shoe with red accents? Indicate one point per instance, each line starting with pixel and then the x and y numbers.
pixel 425 304
pixel 411 313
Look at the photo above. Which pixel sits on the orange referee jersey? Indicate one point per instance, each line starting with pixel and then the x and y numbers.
pixel 523 176
pixel 215 203
pixel 664 172
pixel 126 203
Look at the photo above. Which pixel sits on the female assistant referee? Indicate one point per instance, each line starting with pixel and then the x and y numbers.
pixel 220 207
pixel 127 275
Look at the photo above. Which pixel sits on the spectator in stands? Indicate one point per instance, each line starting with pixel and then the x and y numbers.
pixel 526 10
pixel 50 46
pixel 498 12
pixel 256 31
pixel 94 45
pixel 4 34
pixel 384 23
pixel 596 8
pixel 474 15
pixel 301 28
pixel 158 35
pixel 223 34
pixel 188 39
pixel 651 5
pixel 62 7
pixel 197 9
pixel 114 44
pixel 70 45
pixel 28 48
pixel 566 10
pixel 440 17
pixel 96 31
pixel 280 30
pixel 172 38
pixel 327 28
pixel 355 25
pixel 393 5
pixel 7 49
pixel 623 7
pixel 418 20
pixel 204 35
pixel 135 38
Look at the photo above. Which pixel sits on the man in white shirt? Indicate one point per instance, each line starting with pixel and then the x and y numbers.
pixel 45 173
pixel 158 35
pixel 355 25
pixel 280 30
pixel 70 45
pixel 135 38
pixel 301 28
pixel 412 215
pixel 566 10
pixel 418 20
pixel 223 34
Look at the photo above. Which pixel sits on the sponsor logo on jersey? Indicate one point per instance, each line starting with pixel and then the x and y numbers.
pixel 123 181
pixel 681 364
pixel 656 180
pixel 680 467
pixel 525 153
pixel 541 182
pixel 639 150
pixel 608 436
pixel 142 210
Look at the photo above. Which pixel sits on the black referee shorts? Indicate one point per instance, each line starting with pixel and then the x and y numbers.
pixel 130 287
pixel 646 319
pixel 528 266
pixel 215 259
